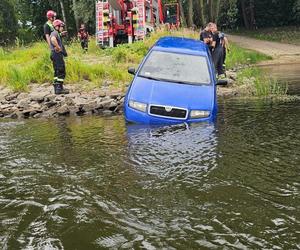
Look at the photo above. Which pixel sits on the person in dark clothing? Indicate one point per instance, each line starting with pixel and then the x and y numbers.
pixel 83 35
pixel 218 51
pixel 206 36
pixel 58 52
pixel 48 26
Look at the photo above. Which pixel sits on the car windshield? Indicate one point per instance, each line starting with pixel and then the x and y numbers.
pixel 174 67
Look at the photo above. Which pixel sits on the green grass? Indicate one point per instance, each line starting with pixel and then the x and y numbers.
pixel 289 34
pixel 239 56
pixel 257 83
pixel 21 66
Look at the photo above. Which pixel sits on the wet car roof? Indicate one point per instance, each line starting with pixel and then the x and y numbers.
pixel 181 43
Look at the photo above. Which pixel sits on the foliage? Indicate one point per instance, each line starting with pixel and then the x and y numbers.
pixel 238 56
pixel 24 65
pixel 228 14
pixel 8 22
pixel 296 11
pixel 259 84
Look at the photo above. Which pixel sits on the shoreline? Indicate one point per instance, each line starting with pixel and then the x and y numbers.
pixel 41 102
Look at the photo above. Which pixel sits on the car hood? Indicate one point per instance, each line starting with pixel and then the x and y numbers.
pixel 172 94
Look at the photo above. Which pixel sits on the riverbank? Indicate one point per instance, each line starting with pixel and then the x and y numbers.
pixel 97 80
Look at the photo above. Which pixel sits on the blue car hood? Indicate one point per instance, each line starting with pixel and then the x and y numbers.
pixel 172 94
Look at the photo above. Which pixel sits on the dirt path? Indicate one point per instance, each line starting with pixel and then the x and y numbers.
pixel 280 52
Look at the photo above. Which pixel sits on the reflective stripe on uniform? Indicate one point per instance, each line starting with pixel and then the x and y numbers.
pixel 60 80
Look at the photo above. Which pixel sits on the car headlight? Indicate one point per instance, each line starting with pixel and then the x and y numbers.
pixel 199 113
pixel 138 106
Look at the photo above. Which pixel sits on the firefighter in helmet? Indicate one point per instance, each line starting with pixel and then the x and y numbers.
pixel 48 26
pixel 58 52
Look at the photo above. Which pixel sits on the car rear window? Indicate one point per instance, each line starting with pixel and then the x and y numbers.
pixel 174 67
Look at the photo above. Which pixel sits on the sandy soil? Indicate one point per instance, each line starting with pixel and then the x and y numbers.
pixel 280 52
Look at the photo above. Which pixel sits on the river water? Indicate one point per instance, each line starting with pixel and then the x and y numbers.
pixel 98 183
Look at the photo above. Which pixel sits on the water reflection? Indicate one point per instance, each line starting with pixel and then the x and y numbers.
pixel 179 151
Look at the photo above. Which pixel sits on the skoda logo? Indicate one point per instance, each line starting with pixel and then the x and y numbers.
pixel 168 109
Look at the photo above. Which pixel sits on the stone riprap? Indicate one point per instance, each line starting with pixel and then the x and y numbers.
pixel 40 101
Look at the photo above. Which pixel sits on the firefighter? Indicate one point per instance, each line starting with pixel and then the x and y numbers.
pixel 206 36
pixel 218 51
pixel 83 36
pixel 48 26
pixel 58 52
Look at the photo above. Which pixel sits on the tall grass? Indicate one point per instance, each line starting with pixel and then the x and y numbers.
pixel 24 65
pixel 257 83
pixel 238 56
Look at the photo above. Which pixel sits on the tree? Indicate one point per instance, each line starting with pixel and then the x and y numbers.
pixel 8 22
pixel 296 11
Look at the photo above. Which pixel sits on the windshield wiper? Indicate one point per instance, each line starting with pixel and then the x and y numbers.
pixel 151 78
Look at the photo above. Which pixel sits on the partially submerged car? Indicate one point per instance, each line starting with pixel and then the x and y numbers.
pixel 175 83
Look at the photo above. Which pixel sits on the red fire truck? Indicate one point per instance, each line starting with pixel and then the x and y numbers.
pixel 121 21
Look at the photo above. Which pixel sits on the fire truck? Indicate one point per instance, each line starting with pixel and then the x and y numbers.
pixel 119 21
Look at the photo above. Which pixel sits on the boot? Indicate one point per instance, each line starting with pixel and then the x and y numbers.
pixel 59 90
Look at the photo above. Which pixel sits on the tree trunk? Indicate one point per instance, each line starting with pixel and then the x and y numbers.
pixel 63 12
pixel 211 11
pixel 202 16
pixel 244 12
pixel 76 17
pixel 190 13
pixel 217 9
pixel 183 19
pixel 252 17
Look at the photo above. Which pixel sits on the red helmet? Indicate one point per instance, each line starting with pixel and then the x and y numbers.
pixel 51 14
pixel 58 22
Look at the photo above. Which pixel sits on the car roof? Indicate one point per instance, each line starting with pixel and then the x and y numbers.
pixel 181 43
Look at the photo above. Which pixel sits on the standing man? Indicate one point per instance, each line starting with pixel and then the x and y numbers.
pixel 48 26
pixel 218 51
pixel 206 36
pixel 58 52
pixel 83 35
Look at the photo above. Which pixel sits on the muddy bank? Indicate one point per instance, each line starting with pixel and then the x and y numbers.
pixel 41 102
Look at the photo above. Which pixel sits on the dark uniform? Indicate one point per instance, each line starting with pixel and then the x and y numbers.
pixel 206 34
pixel 218 53
pixel 48 29
pixel 58 62
pixel 84 39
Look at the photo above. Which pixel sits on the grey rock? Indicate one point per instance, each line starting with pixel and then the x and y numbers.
pixel 50 97
pixel 112 106
pixel 88 107
pixel 79 101
pixel 37 115
pixel 24 103
pixel 104 104
pixel 38 97
pixel 115 95
pixel 63 110
pixel 49 113
pixel 11 97
pixel 6 106
pixel 49 104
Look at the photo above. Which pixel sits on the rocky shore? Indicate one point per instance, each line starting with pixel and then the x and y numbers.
pixel 41 102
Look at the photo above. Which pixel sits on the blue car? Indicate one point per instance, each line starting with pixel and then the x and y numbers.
pixel 175 83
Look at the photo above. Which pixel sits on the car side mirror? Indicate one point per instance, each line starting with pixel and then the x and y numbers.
pixel 131 71
pixel 222 82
